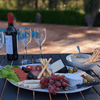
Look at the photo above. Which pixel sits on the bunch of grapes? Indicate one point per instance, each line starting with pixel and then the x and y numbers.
pixel 54 83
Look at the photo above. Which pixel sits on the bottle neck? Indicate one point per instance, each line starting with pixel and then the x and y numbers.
pixel 10 19
pixel 10 24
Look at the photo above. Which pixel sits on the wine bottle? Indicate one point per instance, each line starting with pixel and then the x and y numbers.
pixel 11 39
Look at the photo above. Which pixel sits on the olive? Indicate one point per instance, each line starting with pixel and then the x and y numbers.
pixel 85 80
pixel 25 70
pixel 48 76
pixel 61 89
pixel 89 78
pixel 30 73
pixel 75 69
pixel 78 57
pixel 31 77
pixel 35 77
pixel 70 70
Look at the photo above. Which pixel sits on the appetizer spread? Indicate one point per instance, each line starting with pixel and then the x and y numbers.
pixel 41 76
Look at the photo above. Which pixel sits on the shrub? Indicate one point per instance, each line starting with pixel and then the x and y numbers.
pixel 66 17
pixel 97 20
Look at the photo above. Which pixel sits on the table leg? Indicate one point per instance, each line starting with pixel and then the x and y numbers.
pixel 17 93
pixel 66 96
pixel 82 95
pixel 3 89
pixel 33 95
pixel 50 96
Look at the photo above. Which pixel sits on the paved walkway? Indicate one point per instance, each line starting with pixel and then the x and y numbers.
pixel 60 39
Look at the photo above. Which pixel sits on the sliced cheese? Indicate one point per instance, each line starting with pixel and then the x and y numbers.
pixel 34 86
pixel 56 66
pixel 31 81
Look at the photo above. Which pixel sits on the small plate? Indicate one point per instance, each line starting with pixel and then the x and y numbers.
pixel 79 62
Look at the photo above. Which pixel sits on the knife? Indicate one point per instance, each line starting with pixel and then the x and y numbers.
pixel 82 85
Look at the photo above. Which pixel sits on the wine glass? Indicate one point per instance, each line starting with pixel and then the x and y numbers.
pixel 1 40
pixel 40 37
pixel 25 38
pixel 1 43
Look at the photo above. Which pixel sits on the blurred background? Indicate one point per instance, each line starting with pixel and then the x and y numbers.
pixel 42 4
pixel 68 22
pixel 66 12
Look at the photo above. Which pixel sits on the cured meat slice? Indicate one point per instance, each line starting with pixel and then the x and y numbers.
pixel 21 74
pixel 35 73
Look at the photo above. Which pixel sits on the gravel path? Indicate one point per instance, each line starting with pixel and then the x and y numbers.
pixel 60 39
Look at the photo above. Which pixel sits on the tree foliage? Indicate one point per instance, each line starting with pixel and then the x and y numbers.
pixel 91 5
pixel 41 4
pixel 91 8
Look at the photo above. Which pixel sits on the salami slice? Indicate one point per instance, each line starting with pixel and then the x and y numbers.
pixel 20 73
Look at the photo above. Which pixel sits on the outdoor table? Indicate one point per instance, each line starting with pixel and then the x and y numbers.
pixel 11 92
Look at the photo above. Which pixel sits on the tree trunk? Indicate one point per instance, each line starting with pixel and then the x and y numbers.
pixel 36 4
pixel 90 18
pixel 50 4
pixel 91 8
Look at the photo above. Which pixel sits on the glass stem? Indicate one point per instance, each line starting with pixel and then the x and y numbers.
pixel 26 52
pixel 40 51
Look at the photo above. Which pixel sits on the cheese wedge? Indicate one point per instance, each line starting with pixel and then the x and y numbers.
pixel 56 66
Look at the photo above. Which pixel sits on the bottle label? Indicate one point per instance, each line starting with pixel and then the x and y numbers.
pixel 17 43
pixel 9 45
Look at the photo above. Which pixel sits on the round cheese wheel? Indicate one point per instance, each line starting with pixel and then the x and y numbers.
pixel 73 79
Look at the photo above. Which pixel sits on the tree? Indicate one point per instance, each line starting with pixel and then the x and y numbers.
pixel 36 4
pixel 91 8
pixel 22 3
pixel 51 4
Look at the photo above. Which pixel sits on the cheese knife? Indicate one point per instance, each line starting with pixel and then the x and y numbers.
pixel 82 85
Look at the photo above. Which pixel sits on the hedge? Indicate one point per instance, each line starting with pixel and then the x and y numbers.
pixel 66 17
pixel 97 20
